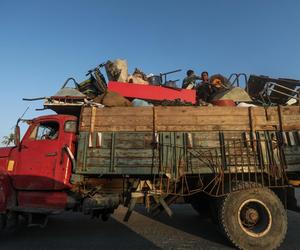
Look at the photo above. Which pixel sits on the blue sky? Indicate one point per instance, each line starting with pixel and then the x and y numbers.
pixel 44 42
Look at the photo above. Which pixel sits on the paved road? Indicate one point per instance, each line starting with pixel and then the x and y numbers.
pixel 187 230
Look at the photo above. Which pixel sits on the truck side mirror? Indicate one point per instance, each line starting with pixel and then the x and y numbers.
pixel 17 136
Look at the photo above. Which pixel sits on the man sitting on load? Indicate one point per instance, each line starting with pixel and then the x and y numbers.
pixel 211 86
pixel 189 82
pixel 204 89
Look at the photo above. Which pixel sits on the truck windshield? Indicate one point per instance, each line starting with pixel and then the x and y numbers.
pixel 45 131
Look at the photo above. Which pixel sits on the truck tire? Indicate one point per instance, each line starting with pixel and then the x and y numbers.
pixel 253 219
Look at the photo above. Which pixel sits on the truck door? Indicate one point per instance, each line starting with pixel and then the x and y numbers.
pixel 67 144
pixel 39 156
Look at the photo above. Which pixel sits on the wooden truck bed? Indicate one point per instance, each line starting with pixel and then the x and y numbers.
pixel 178 141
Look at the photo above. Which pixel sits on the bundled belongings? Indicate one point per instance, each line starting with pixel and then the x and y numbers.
pixel 141 103
pixel 95 85
pixel 117 70
pixel 88 88
pixel 138 77
pixel 236 94
pixel 155 90
pixel 112 99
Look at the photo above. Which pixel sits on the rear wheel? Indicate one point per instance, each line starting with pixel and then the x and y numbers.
pixel 253 219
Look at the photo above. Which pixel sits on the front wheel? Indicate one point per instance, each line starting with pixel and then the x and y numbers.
pixel 253 219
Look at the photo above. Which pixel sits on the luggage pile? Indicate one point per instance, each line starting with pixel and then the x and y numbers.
pixel 119 88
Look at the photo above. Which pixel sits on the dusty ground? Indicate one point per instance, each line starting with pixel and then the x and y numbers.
pixel 187 230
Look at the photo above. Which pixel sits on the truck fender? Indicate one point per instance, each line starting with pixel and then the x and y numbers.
pixel 7 193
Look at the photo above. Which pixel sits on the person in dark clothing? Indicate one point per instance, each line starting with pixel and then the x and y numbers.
pixel 204 77
pixel 204 89
pixel 189 82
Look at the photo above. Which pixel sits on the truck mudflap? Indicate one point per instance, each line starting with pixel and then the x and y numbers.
pixel 7 193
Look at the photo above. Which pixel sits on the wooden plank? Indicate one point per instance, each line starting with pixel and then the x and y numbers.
pixel 119 128
pixel 97 162
pixel 129 120
pixel 134 145
pixel 272 119
pixel 292 150
pixel 200 111
pixel 291 118
pixel 98 153
pixel 121 120
pixel 201 120
pixel 201 143
pixel 86 111
pixel 119 162
pixel 124 170
pixel 133 136
pixel 189 119
pixel 261 111
pixel 190 128
pixel 207 143
pixel 291 122
pixel 200 128
pixel 120 111
pixel 120 153
pixel 125 140
pixel 291 126
pixel 290 110
pixel 205 136
pixel 231 135
pixel 136 162
pixel 81 151
pixel 266 127
pixel 292 159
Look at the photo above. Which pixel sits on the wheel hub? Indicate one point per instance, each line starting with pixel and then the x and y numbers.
pixel 254 218
pixel 251 216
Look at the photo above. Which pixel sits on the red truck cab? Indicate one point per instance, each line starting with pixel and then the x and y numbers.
pixel 38 168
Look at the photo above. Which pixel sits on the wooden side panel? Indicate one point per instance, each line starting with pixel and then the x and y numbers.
pixel 207 148
pixel 115 153
pixel 291 118
pixel 118 119
pixel 292 155
pixel 292 149
pixel 120 140
pixel 190 119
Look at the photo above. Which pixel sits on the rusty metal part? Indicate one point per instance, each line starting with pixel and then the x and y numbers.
pixel 271 91
pixel 233 161
pixel 236 78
